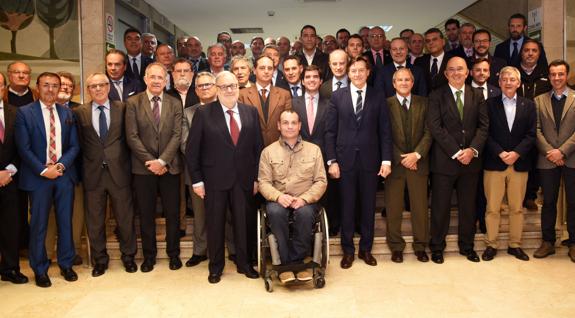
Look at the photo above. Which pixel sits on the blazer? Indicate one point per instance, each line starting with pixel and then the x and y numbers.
pixel 212 157
pixel 386 59
pixel 145 61
pixel 325 89
pixel 384 80
pixel 495 66
pixel 451 134
pixel 148 142
pixel 317 136
pixel 188 116
pixel 520 139
pixel 320 60
pixel 548 137
pixel 130 87
pixel 419 134
pixel 424 62
pixel 503 51
pixel 32 144
pixel 371 136
pixel 113 151
pixel 8 152
pixel 191 97
pixel 279 100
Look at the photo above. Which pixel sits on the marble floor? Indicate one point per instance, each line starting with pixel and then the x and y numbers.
pixel 504 287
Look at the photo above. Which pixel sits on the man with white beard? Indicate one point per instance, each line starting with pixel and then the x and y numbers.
pixel 183 75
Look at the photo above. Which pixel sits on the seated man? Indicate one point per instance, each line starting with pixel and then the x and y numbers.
pixel 292 178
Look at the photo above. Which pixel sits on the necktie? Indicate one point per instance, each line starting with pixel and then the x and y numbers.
pixel 1 128
pixel 434 67
pixel 135 67
pixel 234 129
pixel 52 155
pixel 294 90
pixel 339 83
pixel 102 123
pixel 515 51
pixel 195 64
pixel 483 91
pixel 310 114
pixel 459 103
pixel 264 96
pixel 404 104
pixel 378 61
pixel 399 67
pixel 359 105
pixel 156 110
pixel 120 89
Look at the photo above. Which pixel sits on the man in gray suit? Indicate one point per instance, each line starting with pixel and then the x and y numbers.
pixel 153 132
pixel 104 173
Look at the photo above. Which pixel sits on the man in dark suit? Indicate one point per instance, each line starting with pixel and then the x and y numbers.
pixel 410 167
pixel 105 173
pixel 433 63
pixel 465 50
pixel 190 48
pixel 458 121
pixel 278 79
pixel 153 133
pixel 384 79
pixel 269 100
pixel 137 63
pixel 452 34
pixel 292 70
pixel 556 142
pixel 377 55
pixel 481 44
pixel 184 78
pixel 310 53
pixel 222 155
pixel 358 149
pixel 121 87
pixel 10 224
pixel 338 66
pixel 512 130
pixel 48 146
pixel 510 49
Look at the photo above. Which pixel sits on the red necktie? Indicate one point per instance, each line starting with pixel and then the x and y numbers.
pixel 234 129
pixel 52 149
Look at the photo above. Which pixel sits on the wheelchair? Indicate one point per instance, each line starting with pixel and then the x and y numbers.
pixel 269 263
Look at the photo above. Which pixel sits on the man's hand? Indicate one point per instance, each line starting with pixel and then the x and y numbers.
pixel 509 157
pixel 384 171
pixel 465 156
pixel 285 200
pixel 554 156
pixel 255 187
pixel 200 191
pixel 333 170
pixel 5 177
pixel 560 162
pixel 52 172
pixel 409 160
pixel 297 203
pixel 156 167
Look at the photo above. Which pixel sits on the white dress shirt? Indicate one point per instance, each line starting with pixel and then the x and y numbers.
pixel 485 89
pixel 510 106
pixel 439 61
pixel 334 81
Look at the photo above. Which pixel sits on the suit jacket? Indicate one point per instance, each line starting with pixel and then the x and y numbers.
pixel 191 97
pixel 148 142
pixel 371 136
pixel 419 134
pixel 425 62
pixel 282 82
pixel 130 87
pixel 503 50
pixel 203 65
pixel 384 80
pixel 317 136
pixel 460 51
pixel 8 152
pixel 212 157
pixel 548 137
pixel 386 59
pixel 520 139
pixel 495 66
pixel 492 91
pixel 447 47
pixel 279 100
pixel 451 134
pixel 32 144
pixel 188 116
pixel 325 89
pixel 113 151
pixel 320 60
pixel 145 61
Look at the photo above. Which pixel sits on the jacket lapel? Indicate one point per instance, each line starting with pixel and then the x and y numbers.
pixel 165 112
pixel 39 118
pixel 394 108
pixel 147 105
pixel 219 119
pixel 115 122
pixel 519 110
pixel 568 103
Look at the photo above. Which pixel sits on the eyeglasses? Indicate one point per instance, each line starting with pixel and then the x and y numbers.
pixel 377 36
pixel 455 70
pixel 99 85
pixel 228 87
pixel 205 85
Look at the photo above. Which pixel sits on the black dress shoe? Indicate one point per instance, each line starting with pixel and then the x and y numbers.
pixel 214 278
pixel 77 260
pixel 488 254
pixel 367 258
pixel 470 255
pixel 346 261
pixel 232 257
pixel 14 276
pixel 147 265
pixel 195 260
pixel 437 257
pixel 130 266
pixel 182 233
pixel 69 274
pixel 422 256
pixel 175 263
pixel 397 256
pixel 518 253
pixel 43 281
pixel 250 272
pixel 99 270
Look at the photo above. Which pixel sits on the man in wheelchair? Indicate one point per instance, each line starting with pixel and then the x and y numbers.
pixel 292 179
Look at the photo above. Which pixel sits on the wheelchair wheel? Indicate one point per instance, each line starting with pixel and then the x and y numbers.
pixel 325 245
pixel 269 285
pixel 259 247
pixel 319 282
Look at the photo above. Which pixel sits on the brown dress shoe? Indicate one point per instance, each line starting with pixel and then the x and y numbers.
pixel 572 253
pixel 367 258
pixel 346 261
pixel 397 256
pixel 546 249
pixel 422 256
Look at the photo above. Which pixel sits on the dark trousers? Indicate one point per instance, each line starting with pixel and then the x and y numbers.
pixel 23 202
pixel 123 210
pixel 146 188
pixel 361 184
pixel 60 193
pixel 332 203
pixel 441 190
pixel 533 179
pixel 9 227
pixel 550 182
pixel 295 250
pixel 217 202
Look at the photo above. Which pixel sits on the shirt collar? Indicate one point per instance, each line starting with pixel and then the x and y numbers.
pixel 106 105
pixel 401 98
pixel 296 147
pixel 398 65
pixel 310 55
pixel 259 87
pixel 150 95
pixel 453 89
pixel 138 57
pixel 473 84
pixel 233 109
pixel 315 96
pixel 507 100
pixel 18 93
pixel 44 106
pixel 439 57
pixel 565 93
pixel 354 89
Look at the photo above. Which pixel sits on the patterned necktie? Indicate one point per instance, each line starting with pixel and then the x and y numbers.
pixel 294 90
pixel 459 103
pixel 234 129
pixel 359 105
pixel 52 155
pixel 339 83
pixel 404 104
pixel 119 88
pixel 102 123
pixel 1 128
pixel 310 114
pixel 434 69
pixel 264 95
pixel 156 110
pixel 135 67
pixel 195 64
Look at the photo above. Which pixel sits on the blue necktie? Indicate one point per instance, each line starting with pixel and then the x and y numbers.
pixel 103 124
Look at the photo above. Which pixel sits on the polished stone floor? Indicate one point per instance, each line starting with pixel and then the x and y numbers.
pixel 504 287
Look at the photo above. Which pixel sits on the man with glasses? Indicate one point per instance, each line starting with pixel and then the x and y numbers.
pixel 481 44
pixel 183 75
pixel 377 54
pixel 18 93
pixel 226 134
pixel 190 48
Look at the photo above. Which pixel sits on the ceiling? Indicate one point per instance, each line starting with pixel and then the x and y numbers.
pixel 206 18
